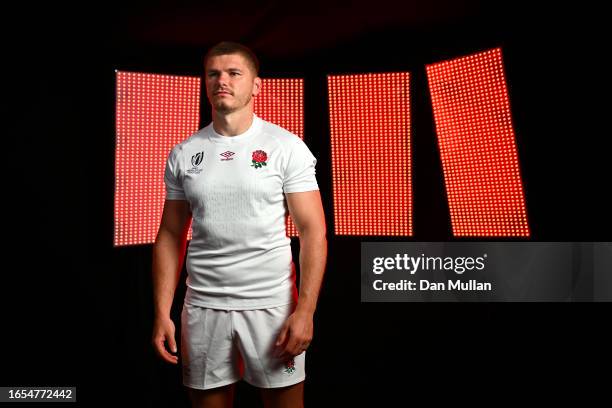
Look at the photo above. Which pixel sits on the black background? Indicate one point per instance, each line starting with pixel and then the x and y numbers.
pixel 78 312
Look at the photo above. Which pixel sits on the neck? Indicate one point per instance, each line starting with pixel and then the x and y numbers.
pixel 233 123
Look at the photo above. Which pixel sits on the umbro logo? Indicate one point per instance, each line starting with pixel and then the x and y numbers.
pixel 227 155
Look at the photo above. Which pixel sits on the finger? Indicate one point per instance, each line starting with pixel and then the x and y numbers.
pixel 169 358
pixel 284 356
pixel 163 353
pixel 172 344
pixel 282 336
pixel 283 352
pixel 292 347
pixel 302 346
pixel 287 355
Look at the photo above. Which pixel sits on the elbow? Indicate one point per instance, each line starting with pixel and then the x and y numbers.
pixel 167 237
pixel 316 233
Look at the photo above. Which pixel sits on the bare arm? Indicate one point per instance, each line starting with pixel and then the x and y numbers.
pixel 168 257
pixel 308 216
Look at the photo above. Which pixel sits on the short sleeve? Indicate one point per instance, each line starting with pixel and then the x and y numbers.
pixel 172 177
pixel 300 170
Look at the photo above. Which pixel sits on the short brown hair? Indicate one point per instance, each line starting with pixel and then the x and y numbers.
pixel 229 47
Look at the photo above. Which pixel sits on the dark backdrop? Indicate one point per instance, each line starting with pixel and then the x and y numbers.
pixel 77 311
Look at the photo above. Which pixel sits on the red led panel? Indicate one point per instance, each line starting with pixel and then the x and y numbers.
pixel 477 146
pixel 281 101
pixel 153 114
pixel 371 159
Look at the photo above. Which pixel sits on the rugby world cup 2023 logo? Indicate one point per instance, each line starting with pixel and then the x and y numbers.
pixel 196 160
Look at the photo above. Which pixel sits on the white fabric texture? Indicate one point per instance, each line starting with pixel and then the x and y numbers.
pixel 220 347
pixel 240 256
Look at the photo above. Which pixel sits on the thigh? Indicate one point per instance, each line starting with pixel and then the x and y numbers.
pixel 290 396
pixel 221 397
pixel 256 332
pixel 208 357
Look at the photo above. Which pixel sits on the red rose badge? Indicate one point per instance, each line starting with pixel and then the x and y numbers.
pixel 259 158
pixel 290 366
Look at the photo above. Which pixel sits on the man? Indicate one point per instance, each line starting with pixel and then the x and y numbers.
pixel 236 178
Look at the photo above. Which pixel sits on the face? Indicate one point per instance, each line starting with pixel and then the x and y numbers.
pixel 230 83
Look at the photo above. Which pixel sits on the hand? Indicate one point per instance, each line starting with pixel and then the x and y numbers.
pixel 163 330
pixel 295 335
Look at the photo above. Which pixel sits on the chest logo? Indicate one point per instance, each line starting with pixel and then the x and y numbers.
pixel 227 155
pixel 196 160
pixel 259 159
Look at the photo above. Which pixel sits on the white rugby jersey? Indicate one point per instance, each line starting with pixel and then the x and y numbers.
pixel 240 255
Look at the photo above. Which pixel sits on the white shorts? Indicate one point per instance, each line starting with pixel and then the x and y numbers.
pixel 220 347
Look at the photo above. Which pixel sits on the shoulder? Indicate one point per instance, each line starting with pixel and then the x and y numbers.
pixel 193 139
pixel 280 136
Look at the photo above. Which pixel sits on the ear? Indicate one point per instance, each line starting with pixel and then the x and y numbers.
pixel 256 86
